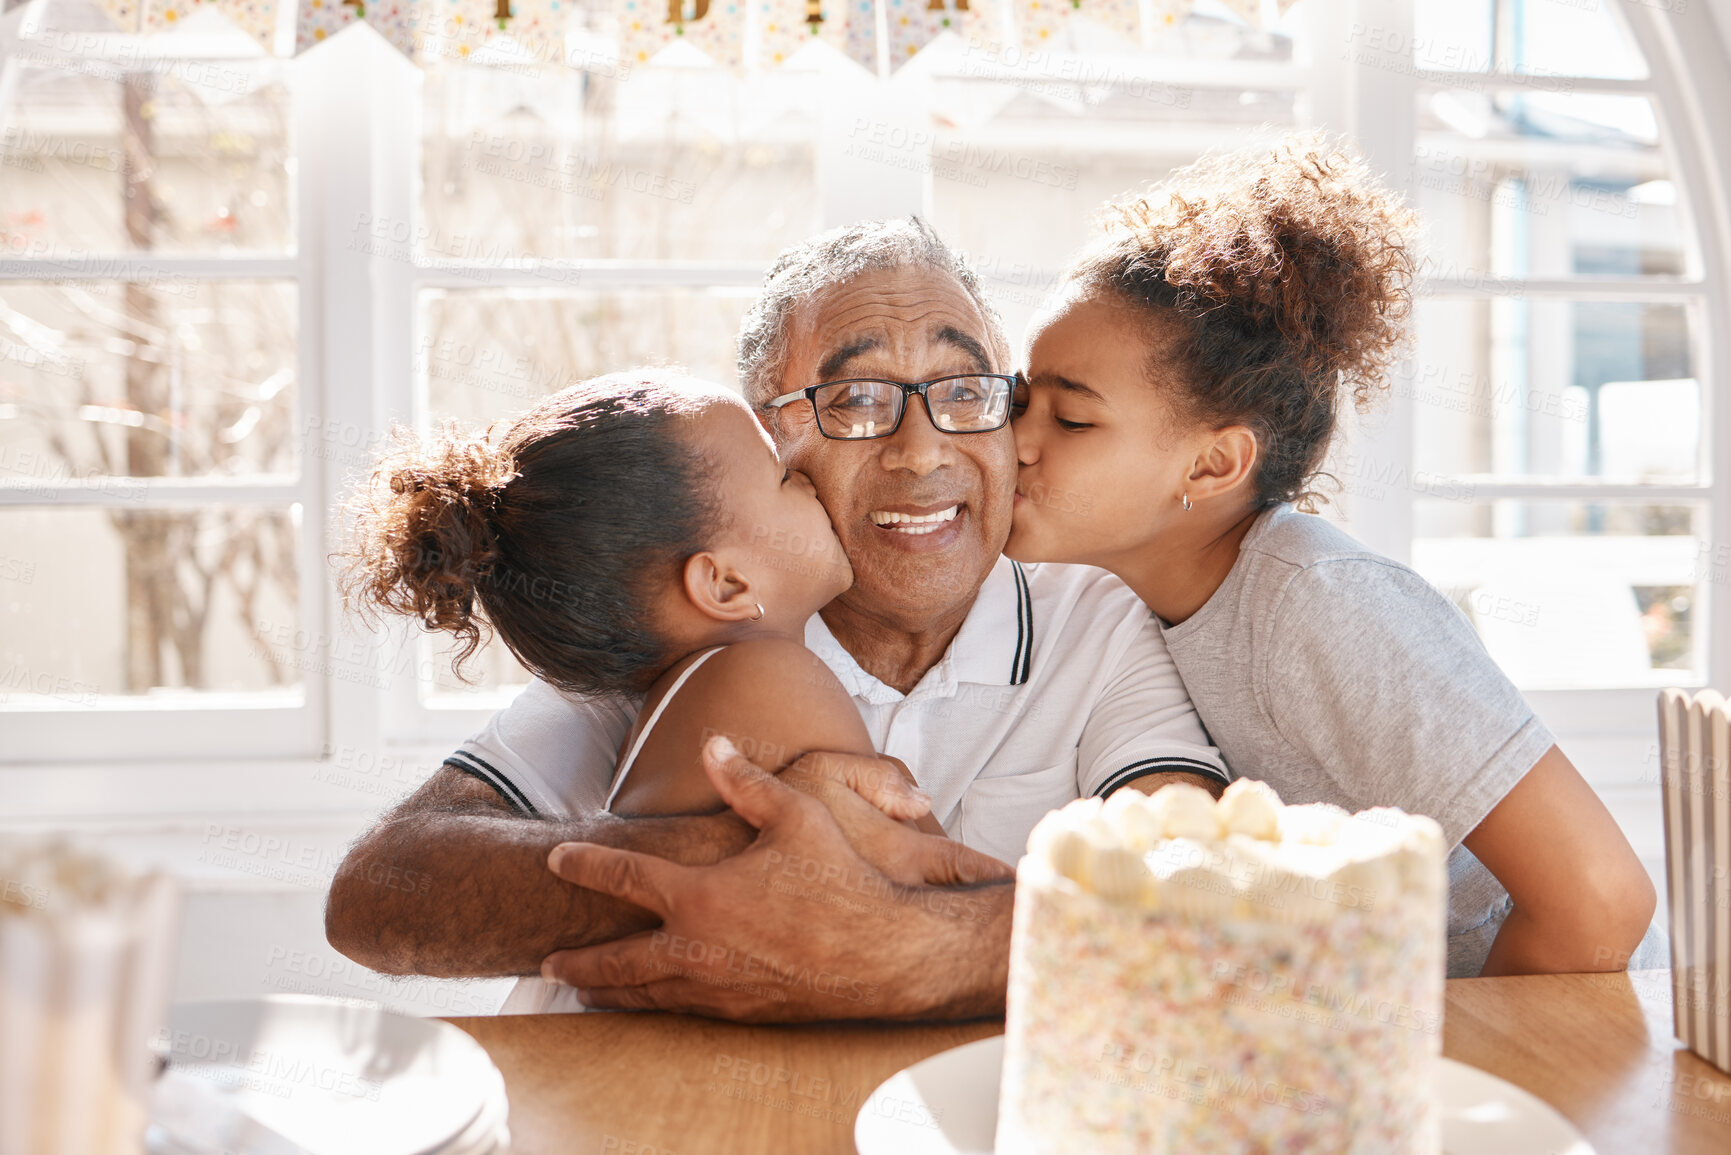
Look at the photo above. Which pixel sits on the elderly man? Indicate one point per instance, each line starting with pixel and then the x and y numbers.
pixel 1007 690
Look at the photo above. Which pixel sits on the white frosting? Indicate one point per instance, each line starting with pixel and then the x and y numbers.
pixel 1246 855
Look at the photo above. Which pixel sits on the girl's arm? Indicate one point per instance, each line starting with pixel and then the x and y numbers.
pixel 774 699
pixel 1582 900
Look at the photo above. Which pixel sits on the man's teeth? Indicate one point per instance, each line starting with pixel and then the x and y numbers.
pixel 914 523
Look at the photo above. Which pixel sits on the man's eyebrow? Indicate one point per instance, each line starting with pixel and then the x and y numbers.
pixel 834 363
pixel 1069 386
pixel 967 343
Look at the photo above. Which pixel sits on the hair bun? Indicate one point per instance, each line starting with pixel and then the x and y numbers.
pixel 1301 241
pixel 424 530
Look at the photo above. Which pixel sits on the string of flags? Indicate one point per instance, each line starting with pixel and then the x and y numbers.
pixel 740 35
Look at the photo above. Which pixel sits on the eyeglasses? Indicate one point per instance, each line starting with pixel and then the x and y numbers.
pixel 866 408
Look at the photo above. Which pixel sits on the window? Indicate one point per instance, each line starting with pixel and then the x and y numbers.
pixel 153 505
pixel 223 276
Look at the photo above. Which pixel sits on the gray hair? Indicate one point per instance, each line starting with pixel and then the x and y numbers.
pixel 834 258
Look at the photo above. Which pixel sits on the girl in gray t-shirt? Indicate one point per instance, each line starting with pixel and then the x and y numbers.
pixel 1181 394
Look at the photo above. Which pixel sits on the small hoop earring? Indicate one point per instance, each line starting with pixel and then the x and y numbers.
pixel 1186 503
pixel 759 616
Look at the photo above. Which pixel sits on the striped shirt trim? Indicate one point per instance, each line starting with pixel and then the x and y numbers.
pixel 1022 663
pixel 479 768
pixel 1156 766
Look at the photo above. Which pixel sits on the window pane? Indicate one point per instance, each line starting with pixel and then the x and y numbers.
pixel 190 158
pixel 491 353
pixel 1574 595
pixel 1575 390
pixel 989 184
pixel 1545 185
pixel 637 164
pixel 488 353
pixel 165 378
pixel 1535 37
pixel 102 602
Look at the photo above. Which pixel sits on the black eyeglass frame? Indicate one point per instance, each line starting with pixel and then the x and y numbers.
pixel 919 388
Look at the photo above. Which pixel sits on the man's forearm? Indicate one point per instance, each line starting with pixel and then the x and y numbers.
pixel 469 894
pixel 957 960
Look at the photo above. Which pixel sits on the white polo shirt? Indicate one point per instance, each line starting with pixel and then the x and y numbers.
pixel 1057 686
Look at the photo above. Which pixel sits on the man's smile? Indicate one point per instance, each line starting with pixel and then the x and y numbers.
pixel 915 520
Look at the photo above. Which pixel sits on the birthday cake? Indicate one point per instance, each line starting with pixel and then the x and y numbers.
pixel 1192 976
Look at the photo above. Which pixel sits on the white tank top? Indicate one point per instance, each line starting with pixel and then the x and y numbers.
pixel 654 717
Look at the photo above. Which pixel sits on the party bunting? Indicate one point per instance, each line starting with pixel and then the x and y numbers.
pixel 714 27
pixel 734 34
pixel 786 26
pixel 1041 22
pixel 395 20
pixel 148 15
pixel 910 25
pixel 256 18
pixel 537 26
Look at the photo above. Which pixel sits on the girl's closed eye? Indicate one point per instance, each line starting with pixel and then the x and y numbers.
pixel 1071 426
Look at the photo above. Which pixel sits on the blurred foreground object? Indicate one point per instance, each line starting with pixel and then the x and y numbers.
pixel 1695 753
pixel 86 961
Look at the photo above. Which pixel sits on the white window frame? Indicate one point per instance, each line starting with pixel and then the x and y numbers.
pixel 1609 733
pixel 190 724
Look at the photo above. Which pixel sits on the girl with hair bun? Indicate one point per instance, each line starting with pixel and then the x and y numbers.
pixel 635 534
pixel 1181 393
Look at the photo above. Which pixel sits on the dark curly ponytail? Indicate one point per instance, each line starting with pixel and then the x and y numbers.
pixel 550 529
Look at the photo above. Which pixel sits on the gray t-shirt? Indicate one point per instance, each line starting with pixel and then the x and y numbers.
pixel 1337 675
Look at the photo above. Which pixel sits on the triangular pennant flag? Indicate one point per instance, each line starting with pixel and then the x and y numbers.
pixel 1040 23
pixel 537 26
pixel 714 27
pixel 862 33
pixel 910 25
pixel 449 30
pixel 164 15
pixel 256 18
pixel 318 20
pixel 786 26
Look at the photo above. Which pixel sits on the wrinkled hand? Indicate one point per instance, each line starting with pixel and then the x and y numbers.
pixel 866 794
pixel 798 926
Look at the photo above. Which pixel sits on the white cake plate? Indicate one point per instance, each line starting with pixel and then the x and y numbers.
pixel 948 1105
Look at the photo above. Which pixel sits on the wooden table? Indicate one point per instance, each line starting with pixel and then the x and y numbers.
pixel 1598 1048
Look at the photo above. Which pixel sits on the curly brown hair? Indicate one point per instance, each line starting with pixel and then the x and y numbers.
pixel 1289 273
pixel 549 528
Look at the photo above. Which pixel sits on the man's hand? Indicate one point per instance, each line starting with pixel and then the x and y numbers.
pixel 798 926
pixel 860 791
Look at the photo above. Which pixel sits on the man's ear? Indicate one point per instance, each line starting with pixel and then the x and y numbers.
pixel 718 590
pixel 1226 461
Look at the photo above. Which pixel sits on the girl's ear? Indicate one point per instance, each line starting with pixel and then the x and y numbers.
pixel 717 590
pixel 1227 460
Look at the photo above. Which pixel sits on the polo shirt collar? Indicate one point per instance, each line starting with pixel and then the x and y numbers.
pixel 994 647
